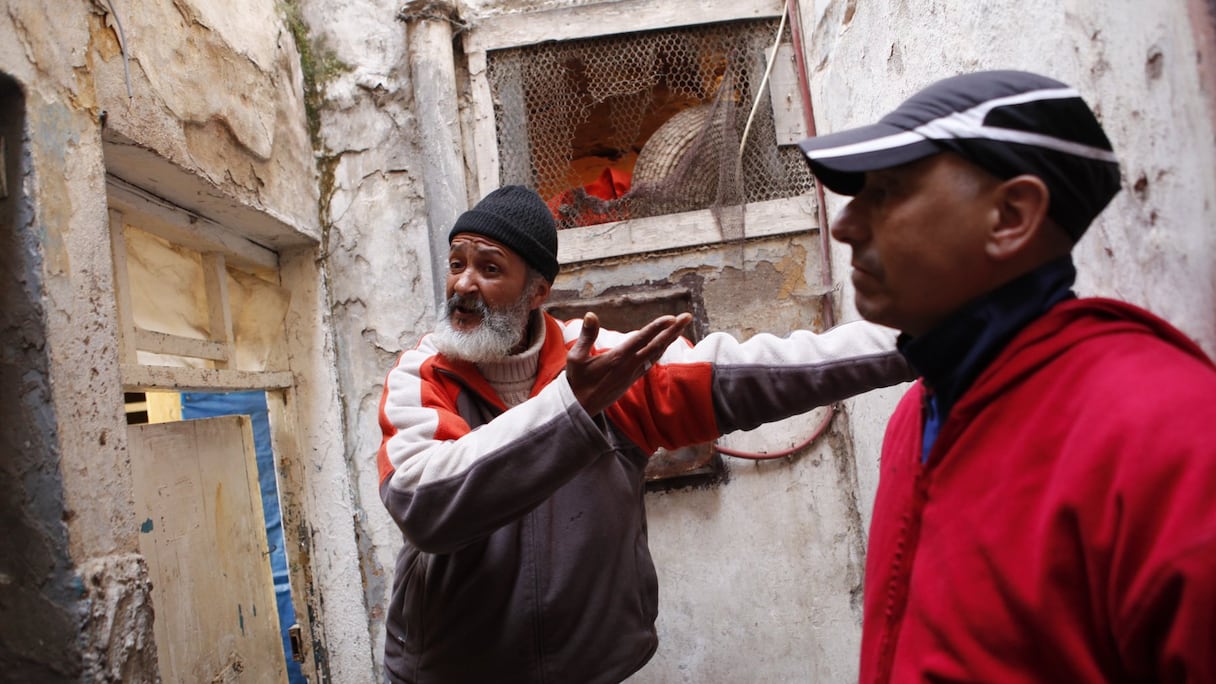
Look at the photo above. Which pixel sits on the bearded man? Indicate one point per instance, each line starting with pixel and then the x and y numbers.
pixel 514 453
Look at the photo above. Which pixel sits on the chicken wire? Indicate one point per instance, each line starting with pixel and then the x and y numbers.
pixel 666 110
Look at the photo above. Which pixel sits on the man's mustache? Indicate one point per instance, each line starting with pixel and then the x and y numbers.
pixel 474 304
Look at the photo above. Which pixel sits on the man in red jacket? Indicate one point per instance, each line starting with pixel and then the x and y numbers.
pixel 1044 510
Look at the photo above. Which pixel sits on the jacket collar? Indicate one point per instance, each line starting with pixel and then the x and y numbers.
pixel 951 356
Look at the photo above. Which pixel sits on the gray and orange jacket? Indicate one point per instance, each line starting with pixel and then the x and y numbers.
pixel 525 554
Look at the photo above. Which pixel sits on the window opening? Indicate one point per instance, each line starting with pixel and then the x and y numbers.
pixel 643 124
pixel 201 317
pixel 699 464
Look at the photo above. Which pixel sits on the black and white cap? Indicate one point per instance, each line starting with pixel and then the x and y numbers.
pixel 1006 122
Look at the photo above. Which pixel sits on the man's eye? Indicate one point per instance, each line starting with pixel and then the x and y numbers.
pixel 875 191
pixel 454 265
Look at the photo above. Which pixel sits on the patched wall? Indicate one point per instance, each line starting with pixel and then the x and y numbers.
pixel 199 106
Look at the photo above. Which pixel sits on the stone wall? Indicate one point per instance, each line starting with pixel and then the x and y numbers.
pixel 201 105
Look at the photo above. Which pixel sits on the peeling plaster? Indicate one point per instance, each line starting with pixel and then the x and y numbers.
pixel 202 58
pixel 118 632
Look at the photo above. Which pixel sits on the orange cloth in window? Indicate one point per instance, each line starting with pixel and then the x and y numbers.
pixel 575 207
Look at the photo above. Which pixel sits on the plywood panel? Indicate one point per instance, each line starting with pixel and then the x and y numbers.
pixel 202 534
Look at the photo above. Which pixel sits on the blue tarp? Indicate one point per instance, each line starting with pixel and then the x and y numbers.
pixel 253 404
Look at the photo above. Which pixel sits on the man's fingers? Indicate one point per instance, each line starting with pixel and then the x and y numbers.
pixel 586 337
pixel 662 332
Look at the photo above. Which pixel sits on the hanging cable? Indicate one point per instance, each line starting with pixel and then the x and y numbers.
pixel 804 91
pixel 122 46
pixel 759 90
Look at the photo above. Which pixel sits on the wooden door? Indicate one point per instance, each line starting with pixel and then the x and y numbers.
pixel 196 495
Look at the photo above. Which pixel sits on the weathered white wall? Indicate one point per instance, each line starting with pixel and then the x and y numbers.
pixel 376 248
pixel 212 118
pixel 760 576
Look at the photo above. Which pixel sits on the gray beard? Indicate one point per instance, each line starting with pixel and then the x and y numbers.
pixel 493 339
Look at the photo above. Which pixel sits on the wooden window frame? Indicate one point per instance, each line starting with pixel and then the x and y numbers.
pixel 679 231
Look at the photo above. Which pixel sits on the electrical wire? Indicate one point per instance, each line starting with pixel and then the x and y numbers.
pixel 122 45
pixel 768 69
pixel 804 91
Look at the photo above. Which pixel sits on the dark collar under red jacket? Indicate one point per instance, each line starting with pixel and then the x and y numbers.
pixel 1062 528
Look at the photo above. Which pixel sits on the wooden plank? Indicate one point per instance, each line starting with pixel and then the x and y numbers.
pixel 603 19
pixel 181 227
pixel 297 540
pixel 122 287
pixel 137 377
pixel 682 231
pixel 788 118
pixel 202 532
pixel 485 133
pixel 177 345
pixel 219 313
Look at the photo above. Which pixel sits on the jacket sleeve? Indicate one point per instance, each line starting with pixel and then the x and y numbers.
pixel 446 485
pixel 769 378
pixel 698 393
pixel 1162 525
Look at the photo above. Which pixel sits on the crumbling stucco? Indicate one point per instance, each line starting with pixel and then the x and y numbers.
pixel 215 97
pixel 117 602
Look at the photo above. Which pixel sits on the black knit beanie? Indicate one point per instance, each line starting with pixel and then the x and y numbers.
pixel 518 218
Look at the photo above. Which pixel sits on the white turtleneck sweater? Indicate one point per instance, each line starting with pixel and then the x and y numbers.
pixel 513 376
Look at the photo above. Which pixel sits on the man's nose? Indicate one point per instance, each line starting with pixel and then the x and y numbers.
pixel 846 227
pixel 465 282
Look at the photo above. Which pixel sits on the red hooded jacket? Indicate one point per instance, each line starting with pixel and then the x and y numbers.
pixel 1063 528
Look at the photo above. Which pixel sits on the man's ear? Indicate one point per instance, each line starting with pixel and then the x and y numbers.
pixel 539 294
pixel 1021 213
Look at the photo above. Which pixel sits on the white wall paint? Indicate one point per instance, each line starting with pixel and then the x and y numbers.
pixel 376 252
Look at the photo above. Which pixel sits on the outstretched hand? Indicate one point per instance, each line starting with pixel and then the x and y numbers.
pixel 600 380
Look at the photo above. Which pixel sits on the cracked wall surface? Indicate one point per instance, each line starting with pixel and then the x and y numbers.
pixel 803 522
pixel 760 574
pixel 375 246
pixel 216 95
pixel 200 105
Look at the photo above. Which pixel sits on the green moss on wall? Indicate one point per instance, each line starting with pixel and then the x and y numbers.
pixel 319 64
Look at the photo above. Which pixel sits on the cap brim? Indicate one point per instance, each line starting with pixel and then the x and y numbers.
pixel 841 160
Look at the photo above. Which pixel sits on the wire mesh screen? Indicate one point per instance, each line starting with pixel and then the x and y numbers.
pixel 644 124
